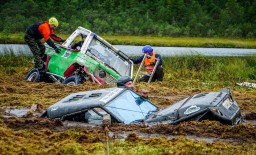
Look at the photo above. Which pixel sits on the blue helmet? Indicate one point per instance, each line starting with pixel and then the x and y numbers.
pixel 147 49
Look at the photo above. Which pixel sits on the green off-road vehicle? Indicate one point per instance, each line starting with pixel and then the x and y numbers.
pixel 84 56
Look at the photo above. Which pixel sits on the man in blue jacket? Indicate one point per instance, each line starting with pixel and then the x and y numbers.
pixel 149 63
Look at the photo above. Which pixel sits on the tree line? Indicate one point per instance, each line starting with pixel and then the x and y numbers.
pixel 193 18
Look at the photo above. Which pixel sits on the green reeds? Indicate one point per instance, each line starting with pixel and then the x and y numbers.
pixel 11 62
pixel 153 40
pixel 204 68
pixel 9 58
pixel 182 41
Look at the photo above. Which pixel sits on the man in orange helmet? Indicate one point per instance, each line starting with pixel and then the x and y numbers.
pixel 38 31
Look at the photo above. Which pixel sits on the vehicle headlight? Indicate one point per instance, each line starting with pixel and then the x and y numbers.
pixel 227 103
pixel 102 74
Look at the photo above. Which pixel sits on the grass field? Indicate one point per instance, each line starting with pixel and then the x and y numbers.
pixel 155 41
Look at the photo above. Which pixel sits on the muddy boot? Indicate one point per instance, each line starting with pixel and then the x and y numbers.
pixel 41 69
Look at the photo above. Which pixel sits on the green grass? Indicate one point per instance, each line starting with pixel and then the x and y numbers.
pixel 9 59
pixel 182 41
pixel 17 38
pixel 199 68
pixel 11 63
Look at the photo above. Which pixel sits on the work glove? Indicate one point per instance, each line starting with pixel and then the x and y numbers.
pixel 57 50
pixel 62 40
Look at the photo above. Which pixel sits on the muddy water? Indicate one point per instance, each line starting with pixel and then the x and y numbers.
pixel 176 51
pixel 16 112
pixel 19 112
pixel 123 135
pixel 131 50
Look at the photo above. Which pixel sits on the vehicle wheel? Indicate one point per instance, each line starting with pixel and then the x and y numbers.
pixel 73 80
pixel 33 75
pixel 44 77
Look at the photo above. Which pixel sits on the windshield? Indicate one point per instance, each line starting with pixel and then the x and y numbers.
pixel 130 107
pixel 108 56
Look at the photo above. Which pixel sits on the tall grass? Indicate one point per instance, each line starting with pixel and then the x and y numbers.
pixel 182 41
pixel 8 58
pixel 203 68
pixel 12 63
pixel 152 40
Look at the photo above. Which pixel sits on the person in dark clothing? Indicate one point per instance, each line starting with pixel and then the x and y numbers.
pixel 126 81
pixel 35 33
pixel 78 45
pixel 150 63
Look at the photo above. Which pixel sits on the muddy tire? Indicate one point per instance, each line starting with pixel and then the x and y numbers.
pixel 73 80
pixel 33 75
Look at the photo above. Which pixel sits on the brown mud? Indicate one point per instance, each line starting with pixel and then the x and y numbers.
pixel 31 99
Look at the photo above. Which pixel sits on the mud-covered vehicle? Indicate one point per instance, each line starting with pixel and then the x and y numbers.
pixel 123 105
pixel 84 56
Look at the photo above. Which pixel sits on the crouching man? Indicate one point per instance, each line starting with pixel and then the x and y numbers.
pixel 149 63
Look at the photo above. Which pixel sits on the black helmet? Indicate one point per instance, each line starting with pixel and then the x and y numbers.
pixel 122 81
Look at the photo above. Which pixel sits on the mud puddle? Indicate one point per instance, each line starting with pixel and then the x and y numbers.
pixel 35 111
pixel 22 112
pixel 124 135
